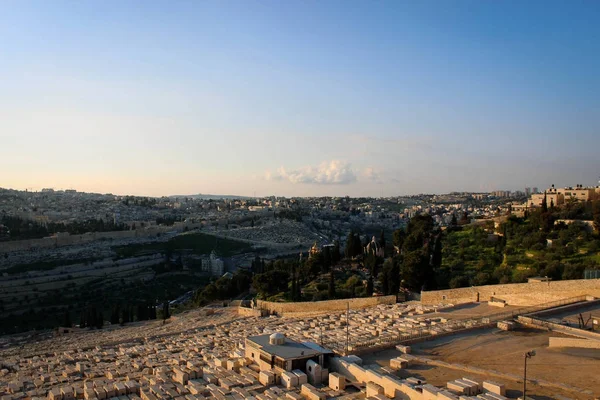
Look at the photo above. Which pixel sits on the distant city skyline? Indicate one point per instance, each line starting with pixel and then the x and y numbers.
pixel 533 189
pixel 299 98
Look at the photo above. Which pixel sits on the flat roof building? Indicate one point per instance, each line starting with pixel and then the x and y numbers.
pixel 275 350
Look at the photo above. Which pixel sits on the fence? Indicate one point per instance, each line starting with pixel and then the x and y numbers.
pixel 451 327
pixel 591 274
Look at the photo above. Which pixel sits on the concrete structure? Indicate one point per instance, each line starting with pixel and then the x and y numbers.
pixel 493 387
pixel 337 381
pixel 404 349
pixel 275 350
pixel 506 325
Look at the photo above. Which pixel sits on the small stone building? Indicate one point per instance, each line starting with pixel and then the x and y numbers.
pixel 275 350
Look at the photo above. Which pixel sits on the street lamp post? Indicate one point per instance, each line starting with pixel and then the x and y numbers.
pixel 529 354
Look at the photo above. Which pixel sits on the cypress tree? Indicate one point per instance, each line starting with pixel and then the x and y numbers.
pixel 166 314
pixel 115 315
pixel 370 286
pixel 331 290
pixel 92 318
pixel 294 290
pixel 82 322
pixel 124 316
pixel 67 320
pixel 544 204
pixel 100 321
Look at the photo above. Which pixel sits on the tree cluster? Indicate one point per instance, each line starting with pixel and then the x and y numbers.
pixel 354 246
pixel 224 288
pixel 21 229
pixel 91 318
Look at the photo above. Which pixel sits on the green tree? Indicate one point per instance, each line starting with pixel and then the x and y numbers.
pixel 412 270
pixel 115 315
pixel 125 315
pixel 398 239
pixel 326 264
pixel 544 203
pixel 371 263
pixel 100 320
pixel 349 250
pixel 271 282
pixel 390 277
pixel 335 253
pixel 241 281
pixel 352 283
pixel 82 319
pixel 315 264
pixel 67 320
pixel 370 286
pixel 459 281
pixel 294 283
pixel 596 214
pixel 436 258
pixel 382 240
pixel 142 310
pixel 464 219
pixel 453 221
pixel 166 314
pixel 257 265
pixel 331 288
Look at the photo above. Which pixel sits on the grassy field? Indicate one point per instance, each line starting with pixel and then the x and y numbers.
pixel 198 243
pixel 45 265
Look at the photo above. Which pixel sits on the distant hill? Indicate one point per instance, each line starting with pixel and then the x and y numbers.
pixel 210 196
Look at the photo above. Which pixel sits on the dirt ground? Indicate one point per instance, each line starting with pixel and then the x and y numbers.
pixel 588 312
pixel 473 310
pixel 502 352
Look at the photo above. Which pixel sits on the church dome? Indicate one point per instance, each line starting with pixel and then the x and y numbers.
pixel 277 338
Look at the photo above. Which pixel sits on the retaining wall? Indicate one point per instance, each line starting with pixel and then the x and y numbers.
pixel 327 305
pixel 519 294
pixel 570 342
pixel 567 330
pixel 250 312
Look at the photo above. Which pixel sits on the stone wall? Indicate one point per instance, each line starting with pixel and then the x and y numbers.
pixel 570 342
pixel 250 312
pixel 320 306
pixel 519 294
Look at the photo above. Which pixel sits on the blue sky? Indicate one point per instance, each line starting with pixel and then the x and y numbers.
pixel 299 97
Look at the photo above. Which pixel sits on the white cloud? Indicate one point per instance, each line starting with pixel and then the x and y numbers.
pixel 333 172
pixel 372 175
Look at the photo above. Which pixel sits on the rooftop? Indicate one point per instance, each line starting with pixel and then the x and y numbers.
pixel 289 350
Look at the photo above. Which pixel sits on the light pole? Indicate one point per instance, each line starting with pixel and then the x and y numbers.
pixel 529 354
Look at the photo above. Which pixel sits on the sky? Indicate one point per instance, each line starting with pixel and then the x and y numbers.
pixel 299 98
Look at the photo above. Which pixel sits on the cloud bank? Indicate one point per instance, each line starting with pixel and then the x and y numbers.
pixel 371 175
pixel 333 172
